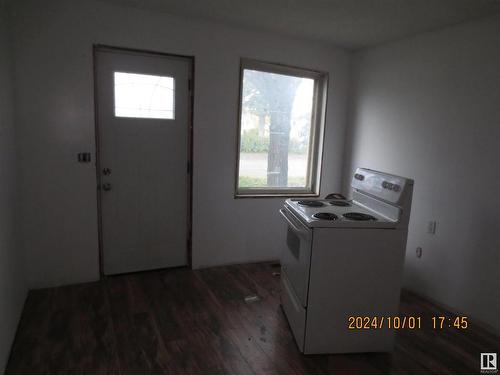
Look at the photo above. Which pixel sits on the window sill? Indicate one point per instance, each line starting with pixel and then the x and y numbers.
pixel 275 195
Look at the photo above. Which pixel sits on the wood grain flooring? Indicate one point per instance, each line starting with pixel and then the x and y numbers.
pixel 180 321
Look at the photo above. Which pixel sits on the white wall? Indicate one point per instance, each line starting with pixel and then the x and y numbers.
pixel 428 107
pixel 12 285
pixel 53 52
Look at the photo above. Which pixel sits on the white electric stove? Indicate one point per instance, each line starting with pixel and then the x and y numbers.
pixel 342 259
pixel 334 213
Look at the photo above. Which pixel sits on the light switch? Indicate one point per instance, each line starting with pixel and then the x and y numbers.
pixel 431 227
pixel 84 157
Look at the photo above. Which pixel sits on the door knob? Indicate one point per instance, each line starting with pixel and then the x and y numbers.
pixel 106 187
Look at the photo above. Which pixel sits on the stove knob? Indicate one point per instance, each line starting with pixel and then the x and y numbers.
pixel 385 184
pixel 396 187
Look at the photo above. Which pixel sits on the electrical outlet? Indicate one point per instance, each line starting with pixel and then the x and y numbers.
pixel 431 227
pixel 419 252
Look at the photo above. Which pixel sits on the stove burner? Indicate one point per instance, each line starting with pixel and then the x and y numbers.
pixel 340 203
pixel 325 216
pixel 311 203
pixel 357 216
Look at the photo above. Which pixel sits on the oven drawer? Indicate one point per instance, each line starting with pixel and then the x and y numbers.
pixel 295 313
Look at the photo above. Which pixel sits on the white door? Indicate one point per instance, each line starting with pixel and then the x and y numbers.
pixel 143 121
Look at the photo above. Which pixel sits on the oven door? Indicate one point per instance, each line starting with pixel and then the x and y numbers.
pixel 296 255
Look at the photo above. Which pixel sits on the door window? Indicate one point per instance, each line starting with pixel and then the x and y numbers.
pixel 144 96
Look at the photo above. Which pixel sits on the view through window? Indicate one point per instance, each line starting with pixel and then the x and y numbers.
pixel 278 130
pixel 144 96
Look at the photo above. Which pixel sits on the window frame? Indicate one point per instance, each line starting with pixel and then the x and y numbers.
pixel 316 143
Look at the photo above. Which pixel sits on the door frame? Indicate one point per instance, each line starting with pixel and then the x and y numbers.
pixel 191 59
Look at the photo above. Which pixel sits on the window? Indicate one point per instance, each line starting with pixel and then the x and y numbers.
pixel 144 96
pixel 280 130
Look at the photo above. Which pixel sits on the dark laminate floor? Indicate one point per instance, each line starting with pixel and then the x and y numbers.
pixel 196 322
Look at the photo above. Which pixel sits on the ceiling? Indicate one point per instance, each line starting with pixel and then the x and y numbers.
pixel 352 24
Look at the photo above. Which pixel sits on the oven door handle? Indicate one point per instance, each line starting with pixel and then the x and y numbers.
pixel 292 225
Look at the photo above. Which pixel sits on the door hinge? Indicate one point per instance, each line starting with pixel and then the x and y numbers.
pixel 190 84
pixel 189 167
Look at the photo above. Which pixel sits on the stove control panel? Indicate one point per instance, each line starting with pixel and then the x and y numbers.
pixel 381 185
